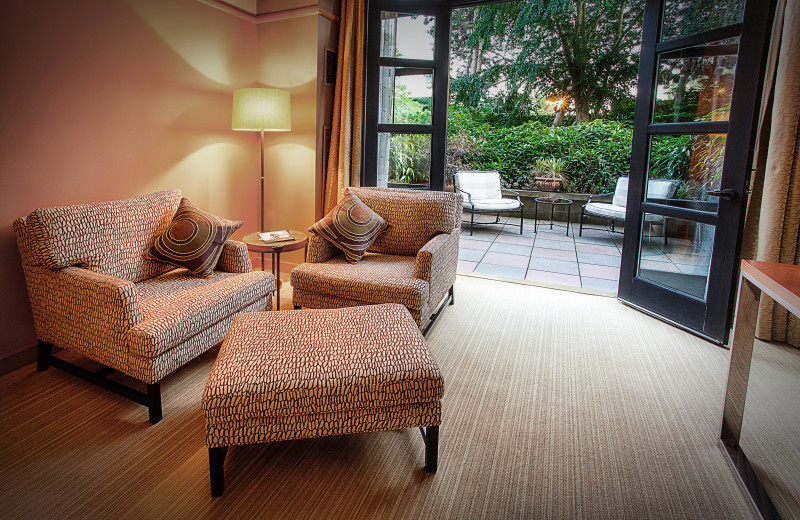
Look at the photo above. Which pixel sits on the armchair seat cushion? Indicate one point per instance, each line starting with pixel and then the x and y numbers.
pixel 176 305
pixel 377 278
pixel 493 204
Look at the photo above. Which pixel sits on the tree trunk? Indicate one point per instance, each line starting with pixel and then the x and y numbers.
pixel 559 118
pixel 582 111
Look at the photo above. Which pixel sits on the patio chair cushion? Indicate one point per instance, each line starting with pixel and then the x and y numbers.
pixel 620 199
pixel 493 204
pixel 350 226
pixel 194 240
pixel 377 278
pixel 603 209
pixel 481 186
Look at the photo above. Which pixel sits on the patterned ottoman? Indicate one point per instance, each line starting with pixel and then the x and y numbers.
pixel 310 373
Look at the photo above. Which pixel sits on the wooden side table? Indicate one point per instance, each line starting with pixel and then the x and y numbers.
pixel 782 283
pixel 255 244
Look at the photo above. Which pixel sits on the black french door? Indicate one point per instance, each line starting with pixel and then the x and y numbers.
pixel 407 73
pixel 700 79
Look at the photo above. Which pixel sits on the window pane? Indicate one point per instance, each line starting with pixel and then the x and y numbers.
pixel 406 36
pixel 404 159
pixel 695 161
pixel 697 85
pixel 405 98
pixel 687 17
pixel 676 253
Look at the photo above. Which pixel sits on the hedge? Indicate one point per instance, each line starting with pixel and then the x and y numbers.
pixel 597 153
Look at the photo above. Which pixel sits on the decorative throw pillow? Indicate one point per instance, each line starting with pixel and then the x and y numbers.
pixel 193 240
pixel 351 226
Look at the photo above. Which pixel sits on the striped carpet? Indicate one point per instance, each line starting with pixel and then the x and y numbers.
pixel 557 405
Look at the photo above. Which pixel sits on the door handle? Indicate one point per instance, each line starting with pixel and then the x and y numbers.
pixel 726 194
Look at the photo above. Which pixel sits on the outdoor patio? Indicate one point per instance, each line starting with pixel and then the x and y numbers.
pixel 591 261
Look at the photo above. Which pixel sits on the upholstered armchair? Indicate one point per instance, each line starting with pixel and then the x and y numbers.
pixel 93 292
pixel 412 263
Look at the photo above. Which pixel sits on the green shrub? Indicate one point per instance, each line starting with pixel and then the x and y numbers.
pixel 596 153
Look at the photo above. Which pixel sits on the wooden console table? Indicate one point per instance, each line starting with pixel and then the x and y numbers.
pixel 782 283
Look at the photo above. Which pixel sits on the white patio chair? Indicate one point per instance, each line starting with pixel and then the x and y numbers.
pixel 484 195
pixel 615 210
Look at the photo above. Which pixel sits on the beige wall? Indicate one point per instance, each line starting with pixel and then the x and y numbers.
pixel 105 99
pixel 287 59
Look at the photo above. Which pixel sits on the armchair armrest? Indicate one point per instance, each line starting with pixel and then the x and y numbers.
pixel 436 263
pixel 234 258
pixel 509 190
pixel 77 308
pixel 320 250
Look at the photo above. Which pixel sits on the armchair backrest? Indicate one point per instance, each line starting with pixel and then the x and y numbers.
pixel 479 185
pixel 656 189
pixel 415 217
pixel 107 237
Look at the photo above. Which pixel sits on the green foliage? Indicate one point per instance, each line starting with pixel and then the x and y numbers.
pixel 550 167
pixel 595 153
pixel 582 49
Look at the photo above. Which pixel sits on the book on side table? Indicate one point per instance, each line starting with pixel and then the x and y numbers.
pixel 269 237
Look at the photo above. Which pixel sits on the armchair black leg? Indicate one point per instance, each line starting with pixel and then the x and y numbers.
pixel 580 229
pixel 154 401
pixel 431 434
pixel 44 351
pixel 216 469
pixel 521 209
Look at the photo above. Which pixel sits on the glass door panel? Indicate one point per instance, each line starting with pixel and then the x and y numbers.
pixel 688 17
pixel 405 96
pixel 680 258
pixel 408 161
pixel 700 76
pixel 405 35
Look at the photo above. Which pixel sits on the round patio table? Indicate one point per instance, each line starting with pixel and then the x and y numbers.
pixel 553 202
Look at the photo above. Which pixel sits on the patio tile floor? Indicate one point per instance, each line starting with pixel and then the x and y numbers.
pixel 591 261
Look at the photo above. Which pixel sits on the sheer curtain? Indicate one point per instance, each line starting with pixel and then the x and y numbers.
pixel 773 216
pixel 344 159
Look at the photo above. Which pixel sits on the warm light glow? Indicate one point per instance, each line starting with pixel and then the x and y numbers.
pixel 261 109
pixel 557 104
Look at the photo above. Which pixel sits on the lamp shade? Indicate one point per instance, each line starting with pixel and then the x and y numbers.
pixel 261 109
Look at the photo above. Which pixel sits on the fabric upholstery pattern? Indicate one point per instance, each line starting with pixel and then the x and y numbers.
pixel 234 258
pixel 415 216
pixel 105 237
pixel 174 306
pixel 350 226
pixel 320 250
pixel 145 329
pixel 419 280
pixel 194 240
pixel 313 373
pixel 376 279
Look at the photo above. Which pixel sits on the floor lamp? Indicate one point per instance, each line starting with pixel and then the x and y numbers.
pixel 261 110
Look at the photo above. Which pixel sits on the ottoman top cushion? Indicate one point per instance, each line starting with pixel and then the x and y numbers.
pixel 320 360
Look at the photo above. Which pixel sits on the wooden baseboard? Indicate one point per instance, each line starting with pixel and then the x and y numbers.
pixel 16 361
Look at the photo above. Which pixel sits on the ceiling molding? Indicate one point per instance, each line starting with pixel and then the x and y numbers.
pixel 287 14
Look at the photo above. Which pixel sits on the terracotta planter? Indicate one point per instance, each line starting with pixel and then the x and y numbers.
pixel 547 183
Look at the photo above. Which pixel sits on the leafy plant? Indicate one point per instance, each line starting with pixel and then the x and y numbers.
pixel 551 168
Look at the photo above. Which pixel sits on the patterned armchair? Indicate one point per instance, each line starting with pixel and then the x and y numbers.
pixel 412 263
pixel 93 292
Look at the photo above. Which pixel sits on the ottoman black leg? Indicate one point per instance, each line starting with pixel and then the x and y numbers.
pixel 216 467
pixel 431 436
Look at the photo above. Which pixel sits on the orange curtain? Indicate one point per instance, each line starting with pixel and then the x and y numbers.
pixel 772 227
pixel 344 159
